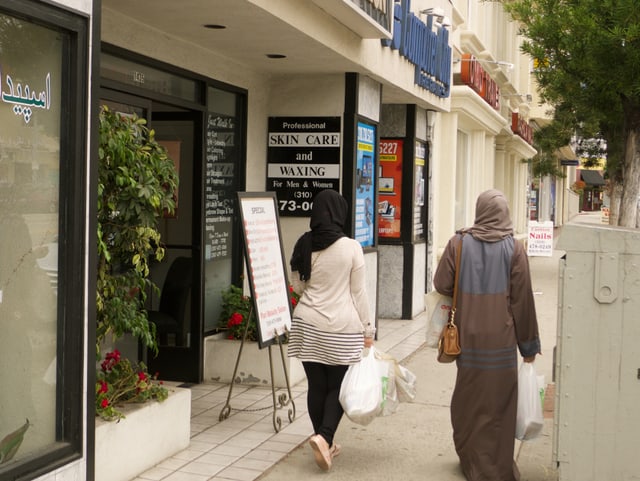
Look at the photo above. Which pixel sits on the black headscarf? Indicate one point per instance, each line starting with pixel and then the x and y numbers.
pixel 328 216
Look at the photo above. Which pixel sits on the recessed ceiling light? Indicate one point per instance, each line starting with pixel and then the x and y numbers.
pixel 215 26
pixel 276 55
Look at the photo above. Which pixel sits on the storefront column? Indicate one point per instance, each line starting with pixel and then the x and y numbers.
pixel 402 241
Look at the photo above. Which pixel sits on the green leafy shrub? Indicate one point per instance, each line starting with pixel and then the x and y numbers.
pixel 136 184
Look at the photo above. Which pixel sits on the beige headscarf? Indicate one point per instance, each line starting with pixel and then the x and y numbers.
pixel 493 221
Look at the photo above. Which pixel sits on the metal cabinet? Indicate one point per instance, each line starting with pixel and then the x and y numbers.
pixel 597 366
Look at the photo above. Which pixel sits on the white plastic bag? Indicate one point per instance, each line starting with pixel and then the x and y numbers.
pixel 438 308
pixel 529 420
pixel 404 380
pixel 361 389
pixel 405 384
pixel 387 372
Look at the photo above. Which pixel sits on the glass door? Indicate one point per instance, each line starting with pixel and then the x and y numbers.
pixel 176 311
pixel 175 308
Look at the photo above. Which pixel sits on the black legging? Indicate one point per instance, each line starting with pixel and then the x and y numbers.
pixel 324 407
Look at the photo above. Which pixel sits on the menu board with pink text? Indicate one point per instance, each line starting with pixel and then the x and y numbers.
pixel 265 265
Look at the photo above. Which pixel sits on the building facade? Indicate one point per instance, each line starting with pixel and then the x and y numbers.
pixel 409 108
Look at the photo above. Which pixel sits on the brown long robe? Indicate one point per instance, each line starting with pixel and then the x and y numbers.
pixel 496 318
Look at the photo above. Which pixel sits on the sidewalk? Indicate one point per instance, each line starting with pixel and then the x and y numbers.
pixel 414 443
pixel 245 445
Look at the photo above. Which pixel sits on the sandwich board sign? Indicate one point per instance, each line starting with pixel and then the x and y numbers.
pixel 264 256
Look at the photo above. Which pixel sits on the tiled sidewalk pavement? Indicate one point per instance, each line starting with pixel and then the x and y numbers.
pixel 245 445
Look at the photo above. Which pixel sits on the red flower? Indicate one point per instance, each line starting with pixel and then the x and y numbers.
pixel 230 336
pixel 235 319
pixel 104 387
pixel 291 289
pixel 114 355
pixel 294 301
pixel 142 377
pixel 104 403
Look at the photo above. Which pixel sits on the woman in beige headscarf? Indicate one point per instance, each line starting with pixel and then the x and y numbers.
pixel 496 317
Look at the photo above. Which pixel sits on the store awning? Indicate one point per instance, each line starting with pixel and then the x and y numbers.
pixel 592 177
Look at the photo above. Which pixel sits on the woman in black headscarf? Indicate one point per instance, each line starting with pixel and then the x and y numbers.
pixel 332 320
pixel 496 317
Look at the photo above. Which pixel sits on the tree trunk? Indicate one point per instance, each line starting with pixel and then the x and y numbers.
pixel 631 168
pixel 615 195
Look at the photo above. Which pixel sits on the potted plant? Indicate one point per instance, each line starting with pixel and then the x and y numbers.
pixel 237 311
pixel 136 185
pixel 221 351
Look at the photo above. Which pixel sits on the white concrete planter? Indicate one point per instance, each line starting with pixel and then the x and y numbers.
pixel 220 356
pixel 150 433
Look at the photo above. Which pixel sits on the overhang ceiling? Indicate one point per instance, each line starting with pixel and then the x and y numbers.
pixel 250 35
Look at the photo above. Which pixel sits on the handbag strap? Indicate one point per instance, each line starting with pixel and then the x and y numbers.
pixel 455 282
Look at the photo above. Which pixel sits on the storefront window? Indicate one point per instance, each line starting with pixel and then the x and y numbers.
pixel 223 158
pixel 29 189
pixel 35 92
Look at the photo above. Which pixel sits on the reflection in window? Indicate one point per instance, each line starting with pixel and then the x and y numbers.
pixel 30 84
pixel 222 159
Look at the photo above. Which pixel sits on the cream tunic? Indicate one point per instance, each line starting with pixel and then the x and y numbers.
pixel 333 312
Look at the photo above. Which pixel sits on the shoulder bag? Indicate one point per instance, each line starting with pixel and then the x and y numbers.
pixel 449 342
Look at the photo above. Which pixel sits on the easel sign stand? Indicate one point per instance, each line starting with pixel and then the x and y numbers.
pixel 264 257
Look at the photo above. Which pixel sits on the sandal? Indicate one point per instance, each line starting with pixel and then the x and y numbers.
pixel 335 450
pixel 321 452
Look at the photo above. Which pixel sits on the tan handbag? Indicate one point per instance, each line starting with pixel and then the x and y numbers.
pixel 449 342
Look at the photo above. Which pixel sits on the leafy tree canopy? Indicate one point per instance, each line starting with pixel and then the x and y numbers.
pixel 587 63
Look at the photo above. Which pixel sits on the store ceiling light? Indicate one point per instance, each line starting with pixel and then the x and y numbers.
pixel 215 26
pixel 276 55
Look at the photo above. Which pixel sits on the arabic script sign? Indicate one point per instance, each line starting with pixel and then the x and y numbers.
pixel 23 98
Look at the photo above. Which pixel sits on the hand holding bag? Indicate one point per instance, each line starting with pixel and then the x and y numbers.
pixel 529 418
pixel 361 389
pixel 449 342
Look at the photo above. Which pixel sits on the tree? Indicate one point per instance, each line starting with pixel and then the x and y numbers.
pixel 136 184
pixel 587 54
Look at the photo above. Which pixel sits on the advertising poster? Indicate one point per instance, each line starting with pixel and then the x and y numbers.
pixel 419 212
pixel 265 265
pixel 365 184
pixel 303 158
pixel 390 188
pixel 540 239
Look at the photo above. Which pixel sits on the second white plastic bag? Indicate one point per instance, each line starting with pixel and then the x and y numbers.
pixel 529 420
pixel 438 306
pixel 361 389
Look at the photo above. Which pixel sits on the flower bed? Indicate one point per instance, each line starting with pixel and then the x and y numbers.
pixel 148 434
